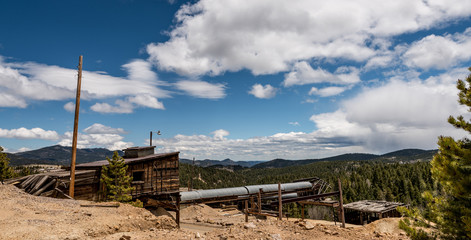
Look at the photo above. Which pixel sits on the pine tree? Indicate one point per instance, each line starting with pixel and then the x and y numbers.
pixel 451 168
pixel 5 170
pixel 117 182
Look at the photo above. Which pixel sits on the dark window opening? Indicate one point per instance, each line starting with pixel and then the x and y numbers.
pixel 138 176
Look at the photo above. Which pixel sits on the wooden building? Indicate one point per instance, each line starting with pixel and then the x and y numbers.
pixel 367 211
pixel 153 174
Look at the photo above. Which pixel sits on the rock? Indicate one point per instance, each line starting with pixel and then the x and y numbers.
pixel 151 229
pixel 327 231
pixel 276 236
pixel 210 221
pixel 222 237
pixel 249 225
pixel 125 237
pixel 308 226
pixel 197 235
pixel 199 219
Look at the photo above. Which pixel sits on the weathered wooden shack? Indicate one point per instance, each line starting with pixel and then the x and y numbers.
pixel 367 211
pixel 153 174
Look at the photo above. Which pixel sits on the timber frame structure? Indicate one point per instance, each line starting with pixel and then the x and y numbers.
pixel 153 174
pixel 366 211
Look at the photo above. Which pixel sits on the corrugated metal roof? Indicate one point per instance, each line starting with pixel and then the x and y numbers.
pixel 373 206
pixel 101 163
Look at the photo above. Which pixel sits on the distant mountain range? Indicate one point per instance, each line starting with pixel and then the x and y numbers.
pixel 405 155
pixel 60 155
pixel 225 162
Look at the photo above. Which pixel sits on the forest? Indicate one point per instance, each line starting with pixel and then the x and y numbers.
pixel 402 182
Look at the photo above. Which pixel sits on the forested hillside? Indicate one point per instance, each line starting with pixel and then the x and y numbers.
pixel 402 182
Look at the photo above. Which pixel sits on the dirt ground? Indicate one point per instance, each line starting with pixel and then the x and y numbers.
pixel 23 216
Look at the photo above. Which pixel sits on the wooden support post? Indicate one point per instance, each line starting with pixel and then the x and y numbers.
pixel 260 200
pixel 246 211
pixel 342 213
pixel 74 138
pixel 178 210
pixel 280 204
pixel 302 211
pixel 252 207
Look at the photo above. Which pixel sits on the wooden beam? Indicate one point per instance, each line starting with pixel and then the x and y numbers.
pixel 280 203
pixel 178 210
pixel 246 211
pixel 342 212
pixel 303 198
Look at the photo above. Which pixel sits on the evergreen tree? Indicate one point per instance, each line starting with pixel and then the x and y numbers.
pixel 451 168
pixel 5 170
pixel 117 182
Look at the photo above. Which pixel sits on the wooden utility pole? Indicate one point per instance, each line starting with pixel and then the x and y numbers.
pixel 74 139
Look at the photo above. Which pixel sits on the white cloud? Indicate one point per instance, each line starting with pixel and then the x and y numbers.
pixel 440 52
pixel 121 107
pixel 140 70
pixel 268 36
pixel 201 89
pixel 220 134
pixel 260 91
pixel 146 101
pixel 33 133
pixel 327 92
pixel 98 128
pixel 292 145
pixel 398 114
pixel 23 82
pixel 294 123
pixel 24 149
pixel 98 135
pixel 70 107
pixel 303 73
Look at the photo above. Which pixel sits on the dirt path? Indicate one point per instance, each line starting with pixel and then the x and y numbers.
pixel 25 217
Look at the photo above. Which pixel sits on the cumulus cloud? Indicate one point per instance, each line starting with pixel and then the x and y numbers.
pixel 202 89
pixel 267 36
pixel 401 113
pixel 327 92
pixel 120 107
pixel 398 114
pixel 146 101
pixel 98 135
pixel 260 91
pixel 33 133
pixel 303 73
pixel 98 128
pixel 292 145
pixel 220 134
pixel 440 52
pixel 23 82
pixel 70 107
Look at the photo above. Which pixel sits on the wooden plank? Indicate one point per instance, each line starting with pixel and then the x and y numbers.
pixel 39 191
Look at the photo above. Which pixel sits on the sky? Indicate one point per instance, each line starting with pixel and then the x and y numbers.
pixel 238 79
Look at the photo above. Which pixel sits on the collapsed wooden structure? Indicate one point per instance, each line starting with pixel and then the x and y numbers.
pixel 153 174
pixel 366 211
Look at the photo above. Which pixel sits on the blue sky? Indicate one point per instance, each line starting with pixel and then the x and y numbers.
pixel 246 80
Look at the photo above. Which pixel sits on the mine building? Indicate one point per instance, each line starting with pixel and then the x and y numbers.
pixel 153 174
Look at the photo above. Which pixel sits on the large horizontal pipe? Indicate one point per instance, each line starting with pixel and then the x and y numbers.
pixel 240 191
